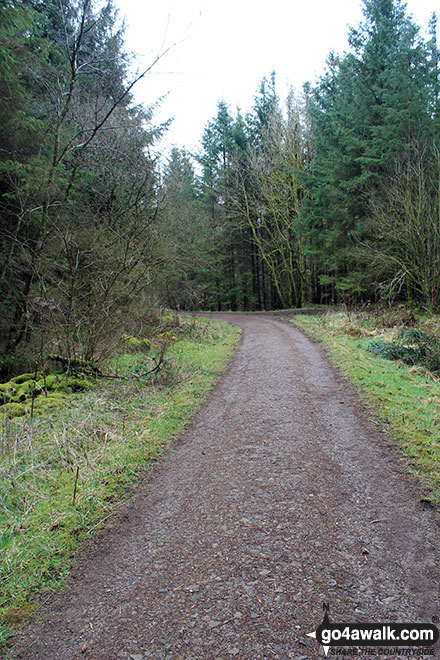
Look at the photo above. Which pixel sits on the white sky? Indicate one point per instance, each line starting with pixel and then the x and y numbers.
pixel 225 47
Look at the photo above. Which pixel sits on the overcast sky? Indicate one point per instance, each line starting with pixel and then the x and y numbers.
pixel 224 47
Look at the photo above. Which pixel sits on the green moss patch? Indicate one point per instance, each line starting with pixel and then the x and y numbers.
pixel 25 393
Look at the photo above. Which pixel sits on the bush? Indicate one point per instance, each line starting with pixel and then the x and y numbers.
pixel 413 347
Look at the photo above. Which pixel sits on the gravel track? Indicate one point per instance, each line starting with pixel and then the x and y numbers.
pixel 279 496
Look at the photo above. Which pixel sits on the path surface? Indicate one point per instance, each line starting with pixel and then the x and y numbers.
pixel 279 496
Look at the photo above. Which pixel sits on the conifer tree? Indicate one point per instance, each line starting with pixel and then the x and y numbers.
pixel 368 108
pixel 186 237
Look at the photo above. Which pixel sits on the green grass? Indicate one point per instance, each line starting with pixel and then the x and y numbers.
pixel 108 436
pixel 407 399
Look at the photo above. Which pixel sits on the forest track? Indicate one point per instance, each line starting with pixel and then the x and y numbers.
pixel 280 496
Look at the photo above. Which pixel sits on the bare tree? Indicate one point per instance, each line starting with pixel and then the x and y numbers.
pixel 404 251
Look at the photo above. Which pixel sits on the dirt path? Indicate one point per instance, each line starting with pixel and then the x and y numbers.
pixel 278 497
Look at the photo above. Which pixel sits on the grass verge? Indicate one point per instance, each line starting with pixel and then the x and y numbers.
pixel 63 473
pixel 406 398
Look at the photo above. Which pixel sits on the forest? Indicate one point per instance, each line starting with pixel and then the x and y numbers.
pixel 329 196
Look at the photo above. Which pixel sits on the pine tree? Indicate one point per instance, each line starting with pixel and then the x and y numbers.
pixel 367 109
pixel 218 147
pixel 186 238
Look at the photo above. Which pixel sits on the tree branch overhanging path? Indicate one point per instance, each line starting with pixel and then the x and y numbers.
pixel 259 513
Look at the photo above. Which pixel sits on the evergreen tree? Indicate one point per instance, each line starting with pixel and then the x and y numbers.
pixel 186 237
pixel 367 109
pixel 77 185
pixel 253 194
pixel 218 145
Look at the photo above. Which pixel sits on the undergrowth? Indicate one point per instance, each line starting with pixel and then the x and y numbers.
pixel 413 347
pixel 63 473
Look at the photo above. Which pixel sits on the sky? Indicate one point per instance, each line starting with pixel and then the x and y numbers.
pixel 215 50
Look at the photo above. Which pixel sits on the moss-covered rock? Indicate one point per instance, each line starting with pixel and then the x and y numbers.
pixel 22 378
pixel 136 345
pixel 53 400
pixel 50 381
pixel 47 392
pixel 7 392
pixel 77 384
pixel 66 384
pixel 17 392
pixel 13 410
pixel 23 391
pixel 58 396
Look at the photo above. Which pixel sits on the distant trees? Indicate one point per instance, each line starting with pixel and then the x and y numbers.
pixel 403 247
pixel 186 243
pixel 333 196
pixel 277 160
pixel 251 194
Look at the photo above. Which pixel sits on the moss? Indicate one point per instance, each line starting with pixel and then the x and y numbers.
pixel 77 384
pixel 58 396
pixel 49 382
pixel 52 401
pixel 18 380
pixel 63 383
pixel 19 389
pixel 7 394
pixel 14 410
pixel 14 393
pixel 23 391
pixel 136 345
pixel 16 398
pixel 66 384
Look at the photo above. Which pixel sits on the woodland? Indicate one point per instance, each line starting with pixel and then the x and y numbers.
pixel 329 196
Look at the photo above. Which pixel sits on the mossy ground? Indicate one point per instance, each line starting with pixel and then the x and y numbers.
pixel 406 398
pixel 32 393
pixel 108 435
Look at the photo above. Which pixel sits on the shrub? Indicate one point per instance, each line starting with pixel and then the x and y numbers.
pixel 413 347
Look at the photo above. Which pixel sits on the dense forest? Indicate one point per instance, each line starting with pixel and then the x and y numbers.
pixel 328 196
